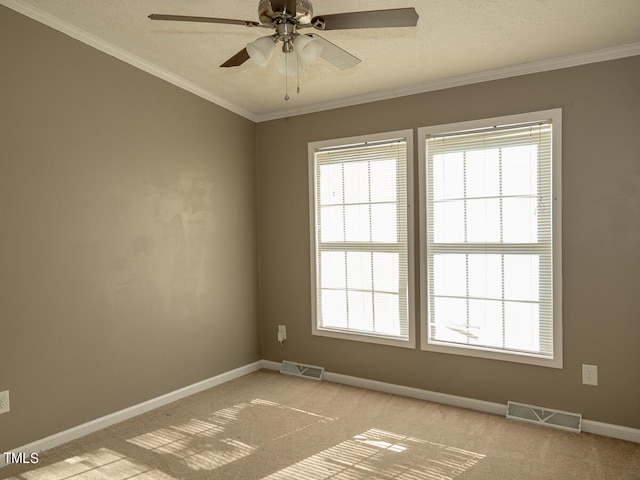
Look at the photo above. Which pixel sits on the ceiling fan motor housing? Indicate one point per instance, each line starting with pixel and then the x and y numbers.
pixel 304 12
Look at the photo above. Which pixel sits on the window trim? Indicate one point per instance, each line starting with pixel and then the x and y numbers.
pixel 411 251
pixel 555 115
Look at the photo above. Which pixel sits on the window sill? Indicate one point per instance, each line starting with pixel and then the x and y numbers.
pixel 367 338
pixel 480 352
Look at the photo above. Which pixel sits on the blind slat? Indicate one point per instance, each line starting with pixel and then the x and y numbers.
pixel 489 229
pixel 361 239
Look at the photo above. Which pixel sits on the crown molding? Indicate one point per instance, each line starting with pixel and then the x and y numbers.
pixel 605 54
pixel 117 52
pixel 557 63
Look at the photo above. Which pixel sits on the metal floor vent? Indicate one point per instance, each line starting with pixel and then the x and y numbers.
pixel 300 370
pixel 544 416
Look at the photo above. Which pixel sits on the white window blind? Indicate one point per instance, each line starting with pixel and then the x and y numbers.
pixel 360 241
pixel 490 240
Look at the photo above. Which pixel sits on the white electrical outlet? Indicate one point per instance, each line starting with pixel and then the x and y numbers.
pixel 590 375
pixel 282 332
pixel 4 401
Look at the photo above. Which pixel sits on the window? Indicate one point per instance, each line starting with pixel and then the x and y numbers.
pixel 361 237
pixel 490 238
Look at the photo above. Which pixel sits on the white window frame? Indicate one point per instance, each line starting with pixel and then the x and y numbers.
pixel 555 116
pixel 410 341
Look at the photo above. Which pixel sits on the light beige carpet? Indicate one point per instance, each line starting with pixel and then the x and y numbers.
pixel 269 426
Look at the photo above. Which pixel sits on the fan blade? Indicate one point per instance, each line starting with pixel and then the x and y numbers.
pixel 238 59
pixel 334 54
pixel 291 8
pixel 284 5
pixel 397 17
pixel 186 18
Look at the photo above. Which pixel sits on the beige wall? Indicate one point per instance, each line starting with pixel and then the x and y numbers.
pixel 128 259
pixel 128 251
pixel 601 241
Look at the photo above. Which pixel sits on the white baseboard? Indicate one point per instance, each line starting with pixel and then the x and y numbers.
pixel 411 392
pixel 588 426
pixel 269 365
pixel 117 417
pixel 609 430
pixel 452 400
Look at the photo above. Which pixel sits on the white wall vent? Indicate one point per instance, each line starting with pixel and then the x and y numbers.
pixel 544 416
pixel 300 370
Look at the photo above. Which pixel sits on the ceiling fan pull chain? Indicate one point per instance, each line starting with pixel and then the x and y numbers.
pixel 298 71
pixel 286 77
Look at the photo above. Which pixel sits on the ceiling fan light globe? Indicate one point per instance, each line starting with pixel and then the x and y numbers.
pixel 261 50
pixel 307 48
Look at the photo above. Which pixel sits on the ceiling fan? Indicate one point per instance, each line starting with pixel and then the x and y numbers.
pixel 286 17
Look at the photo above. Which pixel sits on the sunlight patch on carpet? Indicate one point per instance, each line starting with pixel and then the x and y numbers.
pixel 383 455
pixel 230 434
pixel 99 464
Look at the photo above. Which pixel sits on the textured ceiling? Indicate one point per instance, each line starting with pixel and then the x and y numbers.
pixel 455 42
